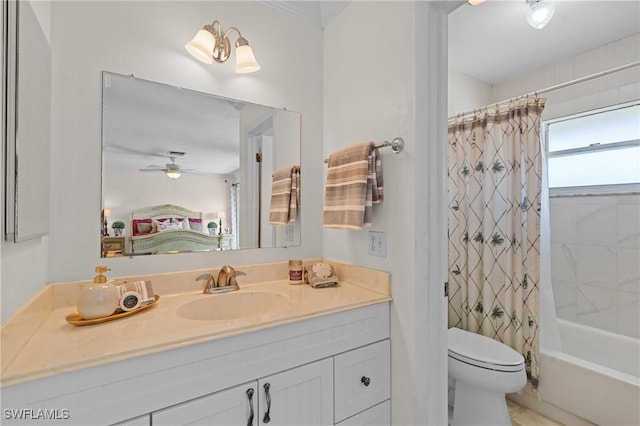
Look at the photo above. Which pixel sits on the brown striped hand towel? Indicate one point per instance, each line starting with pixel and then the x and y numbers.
pixel 354 184
pixel 285 196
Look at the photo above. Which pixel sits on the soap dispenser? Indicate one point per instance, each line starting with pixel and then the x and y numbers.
pixel 98 299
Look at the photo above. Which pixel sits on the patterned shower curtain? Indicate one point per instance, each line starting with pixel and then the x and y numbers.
pixel 494 192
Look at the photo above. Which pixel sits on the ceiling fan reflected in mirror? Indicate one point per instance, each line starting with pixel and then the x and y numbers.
pixel 172 170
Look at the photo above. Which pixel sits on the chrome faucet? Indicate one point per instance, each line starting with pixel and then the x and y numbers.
pixel 226 281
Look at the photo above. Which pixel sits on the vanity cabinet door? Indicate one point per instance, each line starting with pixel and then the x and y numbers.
pixel 234 406
pixel 300 396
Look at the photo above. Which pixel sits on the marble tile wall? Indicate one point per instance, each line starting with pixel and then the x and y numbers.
pixel 595 260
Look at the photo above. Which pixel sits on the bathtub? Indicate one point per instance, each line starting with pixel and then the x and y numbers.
pixel 594 377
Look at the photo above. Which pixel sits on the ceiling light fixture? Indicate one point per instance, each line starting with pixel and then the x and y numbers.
pixel 173 174
pixel 210 44
pixel 475 2
pixel 540 13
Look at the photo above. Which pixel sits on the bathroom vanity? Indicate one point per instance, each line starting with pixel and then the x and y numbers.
pixel 318 356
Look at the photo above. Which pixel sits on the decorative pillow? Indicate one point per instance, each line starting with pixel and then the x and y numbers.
pixel 141 226
pixel 195 224
pixel 144 228
pixel 184 223
pixel 164 224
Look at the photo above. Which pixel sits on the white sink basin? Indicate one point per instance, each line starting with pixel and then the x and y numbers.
pixel 228 306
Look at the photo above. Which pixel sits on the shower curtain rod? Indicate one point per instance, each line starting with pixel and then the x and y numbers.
pixel 558 86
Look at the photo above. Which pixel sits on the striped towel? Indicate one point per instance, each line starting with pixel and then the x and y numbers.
pixel 285 196
pixel 354 183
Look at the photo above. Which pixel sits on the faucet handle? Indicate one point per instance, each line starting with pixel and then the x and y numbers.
pixel 211 282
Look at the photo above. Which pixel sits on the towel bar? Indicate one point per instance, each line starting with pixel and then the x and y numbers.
pixel 397 145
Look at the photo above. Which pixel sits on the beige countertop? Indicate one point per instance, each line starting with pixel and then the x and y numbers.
pixel 36 345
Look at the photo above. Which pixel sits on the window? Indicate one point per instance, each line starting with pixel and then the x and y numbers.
pixel 599 147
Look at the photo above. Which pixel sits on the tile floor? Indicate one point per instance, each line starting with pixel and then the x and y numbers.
pixel 521 416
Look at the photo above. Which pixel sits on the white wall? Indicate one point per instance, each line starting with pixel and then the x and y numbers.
pixel 16 286
pixel 466 93
pixel 378 85
pixel 147 39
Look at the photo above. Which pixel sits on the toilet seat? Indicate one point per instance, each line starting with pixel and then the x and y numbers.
pixel 482 351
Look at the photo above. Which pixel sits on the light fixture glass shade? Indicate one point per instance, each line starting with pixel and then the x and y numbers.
pixel 173 174
pixel 245 60
pixel 201 46
pixel 475 2
pixel 540 13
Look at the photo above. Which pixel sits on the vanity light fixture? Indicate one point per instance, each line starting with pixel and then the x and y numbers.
pixel 211 44
pixel 540 13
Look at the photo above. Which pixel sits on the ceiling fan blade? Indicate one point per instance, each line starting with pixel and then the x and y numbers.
pixel 152 170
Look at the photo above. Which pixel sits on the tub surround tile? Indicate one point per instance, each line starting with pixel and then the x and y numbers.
pixel 596 266
pixel 563 223
pixel 597 224
pixel 597 307
pixel 628 265
pixel 628 232
pixel 565 294
pixel 44 344
pixel 629 314
pixel 563 262
pixel 605 255
pixel 569 313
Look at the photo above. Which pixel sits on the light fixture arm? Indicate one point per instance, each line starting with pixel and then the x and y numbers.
pixel 212 43
pixel 222 48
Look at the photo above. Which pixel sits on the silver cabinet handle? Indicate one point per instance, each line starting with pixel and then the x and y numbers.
pixel 250 396
pixel 266 418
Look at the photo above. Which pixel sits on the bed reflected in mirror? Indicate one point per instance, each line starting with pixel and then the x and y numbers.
pixel 186 171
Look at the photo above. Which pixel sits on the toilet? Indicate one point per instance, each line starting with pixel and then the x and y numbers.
pixel 481 371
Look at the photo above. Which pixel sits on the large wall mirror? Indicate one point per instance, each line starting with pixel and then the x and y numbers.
pixel 185 171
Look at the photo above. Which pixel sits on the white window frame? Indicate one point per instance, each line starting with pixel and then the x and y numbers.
pixel 609 189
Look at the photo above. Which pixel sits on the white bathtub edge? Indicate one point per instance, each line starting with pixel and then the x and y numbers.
pixel 587 392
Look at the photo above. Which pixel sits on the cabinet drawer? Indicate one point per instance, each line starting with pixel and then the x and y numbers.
pixel 380 415
pixel 362 379
pixel 112 246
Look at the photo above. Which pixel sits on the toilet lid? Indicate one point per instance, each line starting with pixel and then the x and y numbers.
pixel 483 351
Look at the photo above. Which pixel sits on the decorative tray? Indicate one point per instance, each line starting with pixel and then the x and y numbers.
pixel 75 318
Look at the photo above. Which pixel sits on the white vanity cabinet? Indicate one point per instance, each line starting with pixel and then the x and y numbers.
pixel 235 406
pixel 353 386
pixel 313 369
pixel 362 379
pixel 300 396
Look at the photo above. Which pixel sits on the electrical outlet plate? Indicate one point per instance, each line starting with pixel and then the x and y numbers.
pixel 377 244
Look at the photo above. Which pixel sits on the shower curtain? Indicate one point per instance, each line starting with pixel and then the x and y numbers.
pixel 495 162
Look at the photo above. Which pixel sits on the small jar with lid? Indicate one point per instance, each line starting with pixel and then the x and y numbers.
pixel 295 271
